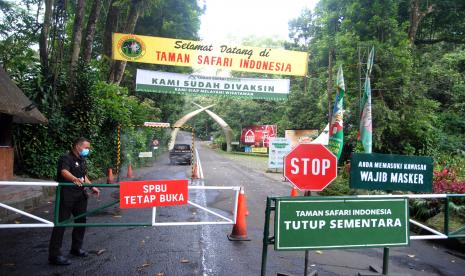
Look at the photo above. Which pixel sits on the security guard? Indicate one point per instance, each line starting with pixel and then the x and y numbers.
pixel 73 200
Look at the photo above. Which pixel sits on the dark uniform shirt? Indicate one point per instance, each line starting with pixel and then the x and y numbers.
pixel 76 165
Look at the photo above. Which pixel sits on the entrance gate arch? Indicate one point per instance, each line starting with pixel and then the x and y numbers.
pixel 179 123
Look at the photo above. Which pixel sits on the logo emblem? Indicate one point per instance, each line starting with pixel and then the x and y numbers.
pixel 131 47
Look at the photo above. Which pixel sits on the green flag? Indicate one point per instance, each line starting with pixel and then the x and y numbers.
pixel 365 130
pixel 336 130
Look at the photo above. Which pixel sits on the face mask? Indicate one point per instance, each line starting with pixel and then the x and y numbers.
pixel 84 152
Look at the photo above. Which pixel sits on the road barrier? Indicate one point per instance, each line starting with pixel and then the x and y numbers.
pixel 70 222
pixel 314 222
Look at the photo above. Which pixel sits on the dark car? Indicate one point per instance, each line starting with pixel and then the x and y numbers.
pixel 181 154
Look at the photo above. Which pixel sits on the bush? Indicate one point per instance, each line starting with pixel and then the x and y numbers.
pixel 94 112
pixel 446 182
pixel 340 186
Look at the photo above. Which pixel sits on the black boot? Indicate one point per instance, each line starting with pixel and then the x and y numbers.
pixel 59 260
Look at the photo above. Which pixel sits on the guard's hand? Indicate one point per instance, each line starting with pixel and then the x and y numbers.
pixel 95 191
pixel 78 181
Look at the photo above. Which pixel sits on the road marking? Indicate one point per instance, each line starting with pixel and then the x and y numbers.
pixel 199 164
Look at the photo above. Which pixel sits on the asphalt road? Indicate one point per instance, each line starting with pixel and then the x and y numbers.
pixel 201 250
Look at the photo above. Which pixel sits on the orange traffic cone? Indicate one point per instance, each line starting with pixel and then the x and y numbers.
pixel 130 171
pixel 246 208
pixel 239 231
pixel 195 171
pixel 110 178
pixel 294 191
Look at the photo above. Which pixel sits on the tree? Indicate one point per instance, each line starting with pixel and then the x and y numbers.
pixel 76 38
pixel 416 16
pixel 44 37
pixel 51 75
pixel 90 30
pixel 111 25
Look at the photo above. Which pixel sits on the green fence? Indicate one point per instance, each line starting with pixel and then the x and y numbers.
pixel 70 222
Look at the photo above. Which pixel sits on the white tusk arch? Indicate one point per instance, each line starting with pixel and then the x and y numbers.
pixel 179 123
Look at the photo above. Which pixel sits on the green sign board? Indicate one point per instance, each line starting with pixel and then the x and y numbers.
pixel 391 172
pixel 195 85
pixel 340 222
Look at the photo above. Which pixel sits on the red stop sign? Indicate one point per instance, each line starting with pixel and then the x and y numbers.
pixel 310 167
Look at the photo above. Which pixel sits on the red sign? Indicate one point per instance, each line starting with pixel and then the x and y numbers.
pixel 152 193
pixel 310 167
pixel 258 136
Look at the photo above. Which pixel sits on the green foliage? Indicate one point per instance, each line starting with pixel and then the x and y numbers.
pixel 407 108
pixel 95 112
pixel 18 32
pixel 91 108
pixel 340 186
pixel 423 209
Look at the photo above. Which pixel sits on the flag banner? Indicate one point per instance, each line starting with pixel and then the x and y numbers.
pixel 336 130
pixel 198 54
pixel 323 137
pixel 365 119
pixel 174 83
pixel 371 56
pixel 365 130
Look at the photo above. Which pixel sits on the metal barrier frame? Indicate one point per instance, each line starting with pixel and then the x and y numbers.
pixel 270 240
pixel 225 219
pixel 70 221
pixel 45 223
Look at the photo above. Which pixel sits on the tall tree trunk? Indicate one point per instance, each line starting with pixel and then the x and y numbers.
pixel 90 30
pixel 111 26
pixel 118 67
pixel 76 40
pixel 44 34
pixel 416 15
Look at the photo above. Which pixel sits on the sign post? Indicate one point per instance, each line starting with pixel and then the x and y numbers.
pixel 340 222
pixel 279 147
pixel 391 172
pixel 310 167
pixel 310 223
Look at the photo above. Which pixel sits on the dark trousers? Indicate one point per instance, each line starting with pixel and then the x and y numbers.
pixel 73 201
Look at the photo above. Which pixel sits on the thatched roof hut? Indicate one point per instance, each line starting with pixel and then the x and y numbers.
pixel 15 107
pixel 13 102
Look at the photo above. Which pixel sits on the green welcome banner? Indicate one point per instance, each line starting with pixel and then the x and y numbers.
pixel 391 172
pixel 340 222
pixel 173 83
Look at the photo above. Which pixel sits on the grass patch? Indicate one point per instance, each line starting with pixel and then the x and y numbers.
pixel 253 161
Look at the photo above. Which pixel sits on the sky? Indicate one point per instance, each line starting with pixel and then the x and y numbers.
pixel 226 19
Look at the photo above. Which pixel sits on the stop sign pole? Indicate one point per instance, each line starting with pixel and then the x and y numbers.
pixel 310 167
